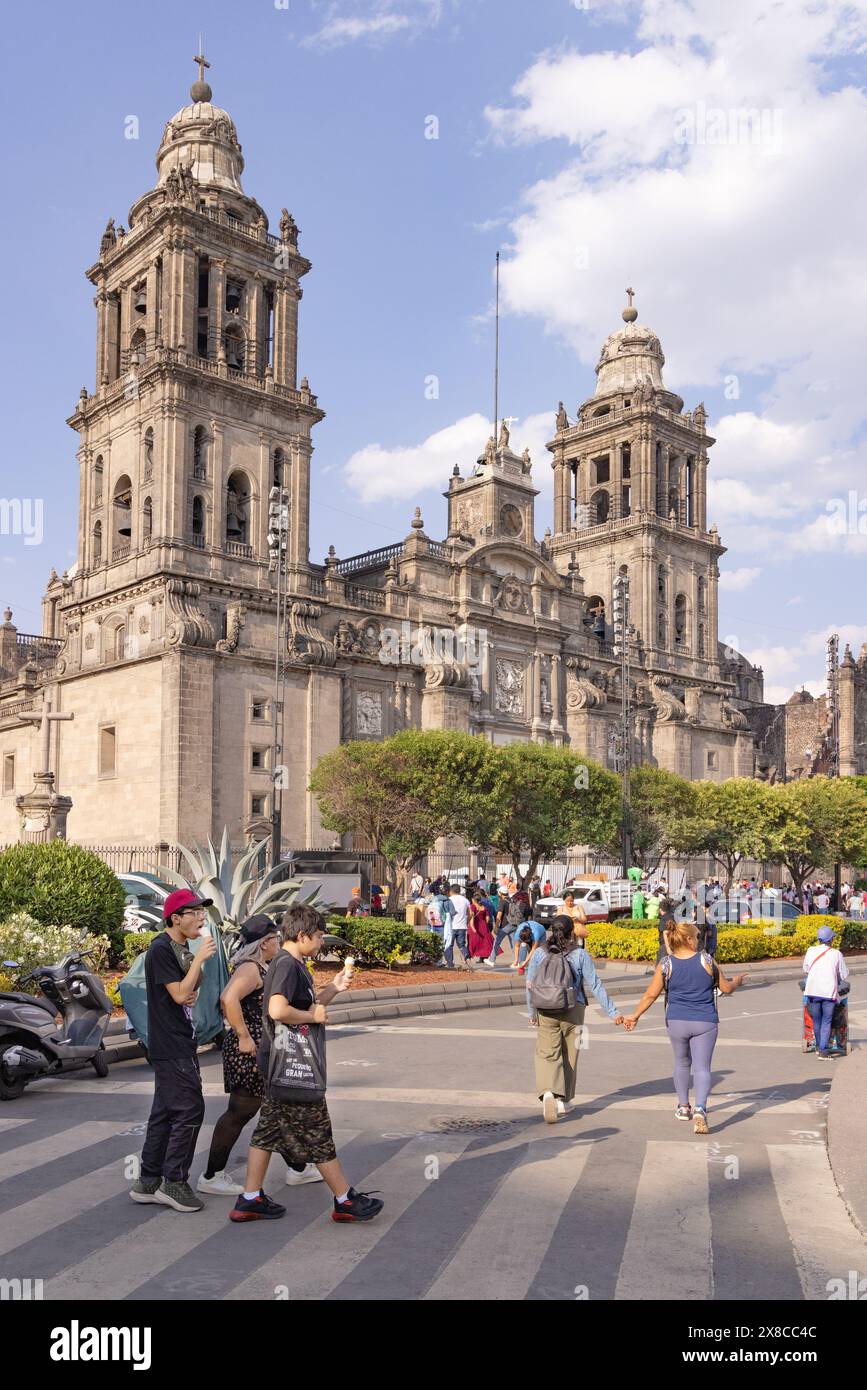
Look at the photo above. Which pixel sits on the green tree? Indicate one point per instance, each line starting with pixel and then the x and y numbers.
pixel 373 791
pixel 658 799
pixel 63 885
pixel 821 821
pixel 539 800
pixel 730 821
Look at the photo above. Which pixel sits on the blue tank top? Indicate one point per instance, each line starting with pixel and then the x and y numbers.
pixel 690 991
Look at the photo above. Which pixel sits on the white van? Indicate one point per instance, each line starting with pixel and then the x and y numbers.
pixel 601 901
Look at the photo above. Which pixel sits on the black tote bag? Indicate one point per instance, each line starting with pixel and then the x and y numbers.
pixel 296 1061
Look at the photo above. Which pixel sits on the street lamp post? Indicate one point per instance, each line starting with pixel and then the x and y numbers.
pixel 278 531
pixel 833 672
pixel 622 633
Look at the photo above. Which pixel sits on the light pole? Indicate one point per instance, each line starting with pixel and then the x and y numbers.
pixel 622 632
pixel 833 672
pixel 278 531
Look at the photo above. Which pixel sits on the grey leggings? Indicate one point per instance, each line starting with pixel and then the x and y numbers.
pixel 693 1042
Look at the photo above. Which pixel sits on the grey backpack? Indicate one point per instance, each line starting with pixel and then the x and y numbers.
pixel 553 988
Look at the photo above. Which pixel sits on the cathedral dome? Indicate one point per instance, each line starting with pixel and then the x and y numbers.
pixel 629 357
pixel 202 137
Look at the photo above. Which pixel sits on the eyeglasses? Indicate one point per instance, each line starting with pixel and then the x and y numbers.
pixel 194 911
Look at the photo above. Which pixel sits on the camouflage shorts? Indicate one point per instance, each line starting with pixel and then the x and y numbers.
pixel 300 1131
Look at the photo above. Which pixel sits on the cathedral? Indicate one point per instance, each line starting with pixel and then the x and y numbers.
pixel 194 662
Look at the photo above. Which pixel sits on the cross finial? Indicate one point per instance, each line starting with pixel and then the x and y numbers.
pixel 202 62
pixel 630 314
pixel 630 292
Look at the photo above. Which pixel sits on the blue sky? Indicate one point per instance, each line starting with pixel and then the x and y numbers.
pixel 557 143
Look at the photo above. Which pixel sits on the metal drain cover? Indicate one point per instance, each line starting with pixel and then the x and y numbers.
pixel 463 1124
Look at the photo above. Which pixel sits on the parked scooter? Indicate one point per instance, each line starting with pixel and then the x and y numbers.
pixel 33 1042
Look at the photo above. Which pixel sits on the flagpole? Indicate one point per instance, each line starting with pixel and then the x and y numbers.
pixel 497 353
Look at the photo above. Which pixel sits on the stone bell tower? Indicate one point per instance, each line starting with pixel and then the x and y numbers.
pixel 630 495
pixel 197 412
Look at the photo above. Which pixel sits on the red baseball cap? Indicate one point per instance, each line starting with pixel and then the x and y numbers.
pixel 183 897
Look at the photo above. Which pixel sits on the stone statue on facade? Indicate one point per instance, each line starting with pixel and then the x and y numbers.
pixel 289 230
pixel 562 417
pixel 109 237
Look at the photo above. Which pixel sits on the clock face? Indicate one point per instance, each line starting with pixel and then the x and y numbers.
pixel 511 520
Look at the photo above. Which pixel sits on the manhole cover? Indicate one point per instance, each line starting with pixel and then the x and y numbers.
pixel 463 1124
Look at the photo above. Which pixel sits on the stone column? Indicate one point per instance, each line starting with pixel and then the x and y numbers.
pixel 537 723
pixel 701 491
pixel 152 316
pixel 562 493
pixel 712 620
pixel 216 303
pixel 683 491
pixel 294 299
pixel 282 298
pixel 299 502
pixel 848 690
pixel 557 728
pixel 101 304
pixel 644 469
pixel 663 479
pixel 255 363
pixel 616 481
pixel 112 337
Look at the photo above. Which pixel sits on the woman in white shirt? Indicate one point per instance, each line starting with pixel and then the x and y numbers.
pixel 824 967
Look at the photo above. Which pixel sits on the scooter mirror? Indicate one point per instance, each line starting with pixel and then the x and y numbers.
pixel 11 964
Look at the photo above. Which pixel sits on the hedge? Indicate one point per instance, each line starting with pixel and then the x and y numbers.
pixel 62 884
pixel 385 941
pixel 134 942
pixel 613 941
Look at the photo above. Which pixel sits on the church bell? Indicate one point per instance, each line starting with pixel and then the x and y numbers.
pixel 233 297
pixel 233 527
pixel 141 302
pixel 232 355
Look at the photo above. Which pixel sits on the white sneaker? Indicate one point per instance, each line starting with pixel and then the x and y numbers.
pixel 549 1108
pixel 309 1174
pixel 222 1184
pixel 490 963
pixel 561 1107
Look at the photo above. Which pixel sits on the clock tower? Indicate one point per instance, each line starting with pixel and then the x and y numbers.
pixel 497 500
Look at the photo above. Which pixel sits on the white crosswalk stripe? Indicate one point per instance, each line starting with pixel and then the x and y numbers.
pixel 825 1242
pixel 671 1213
pixel 7 1124
pixel 323 1255
pixel 508 1241
pixel 68 1141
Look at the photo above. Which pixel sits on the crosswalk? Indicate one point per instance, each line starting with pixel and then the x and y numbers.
pixel 580 1210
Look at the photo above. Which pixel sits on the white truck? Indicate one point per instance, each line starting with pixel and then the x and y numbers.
pixel 601 899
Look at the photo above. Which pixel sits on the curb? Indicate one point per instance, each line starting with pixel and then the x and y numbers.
pixel 847 1134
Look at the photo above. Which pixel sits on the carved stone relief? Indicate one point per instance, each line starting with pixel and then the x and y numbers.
pixel 368 713
pixel 509 696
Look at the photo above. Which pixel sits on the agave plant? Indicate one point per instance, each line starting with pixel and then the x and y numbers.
pixel 237 894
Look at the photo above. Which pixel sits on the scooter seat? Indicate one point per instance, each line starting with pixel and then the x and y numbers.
pixel 29 999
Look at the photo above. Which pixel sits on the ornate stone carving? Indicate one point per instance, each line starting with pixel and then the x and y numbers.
pixel 235 618
pixel 731 716
pixel 109 238
pixel 188 625
pixel 358 639
pixel 581 691
pixel 669 710
pixel 440 673
pixel 509 690
pixel 368 713
pixel 469 515
pixel 510 594
pixel 144 624
pixel 289 230
pixel 307 643
pixel 90 641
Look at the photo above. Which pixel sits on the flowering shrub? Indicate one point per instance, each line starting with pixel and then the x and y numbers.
pixel 28 942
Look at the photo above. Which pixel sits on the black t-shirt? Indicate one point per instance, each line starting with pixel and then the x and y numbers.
pixel 292 979
pixel 171 1035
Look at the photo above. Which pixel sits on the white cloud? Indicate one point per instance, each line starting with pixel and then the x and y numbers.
pixel 739 579
pixel 375 473
pixel 780 662
pixel 373 23
pixel 741 234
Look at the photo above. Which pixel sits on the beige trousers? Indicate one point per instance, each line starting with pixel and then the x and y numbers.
pixel 557 1039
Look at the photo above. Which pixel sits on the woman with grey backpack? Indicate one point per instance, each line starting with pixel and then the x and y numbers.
pixel 556 976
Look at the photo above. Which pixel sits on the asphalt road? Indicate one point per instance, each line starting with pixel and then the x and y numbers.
pixel 483 1200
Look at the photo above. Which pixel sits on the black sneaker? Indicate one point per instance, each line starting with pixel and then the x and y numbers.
pixel 359 1206
pixel 260 1209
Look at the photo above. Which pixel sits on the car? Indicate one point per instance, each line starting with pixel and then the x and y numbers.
pixel 145 895
pixel 738 907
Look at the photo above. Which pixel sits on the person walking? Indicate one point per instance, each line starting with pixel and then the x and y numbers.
pixel 689 978
pixel 825 970
pixel 479 938
pixel 456 926
pixel 509 920
pixel 299 1130
pixel 242 1080
pixel 562 964
pixel 172 977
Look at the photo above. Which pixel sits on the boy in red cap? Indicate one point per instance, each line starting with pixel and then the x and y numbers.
pixel 173 975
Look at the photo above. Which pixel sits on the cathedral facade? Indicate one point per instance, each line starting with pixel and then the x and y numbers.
pixel 161 640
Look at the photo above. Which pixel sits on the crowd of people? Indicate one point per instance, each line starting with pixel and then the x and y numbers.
pixel 270 1002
